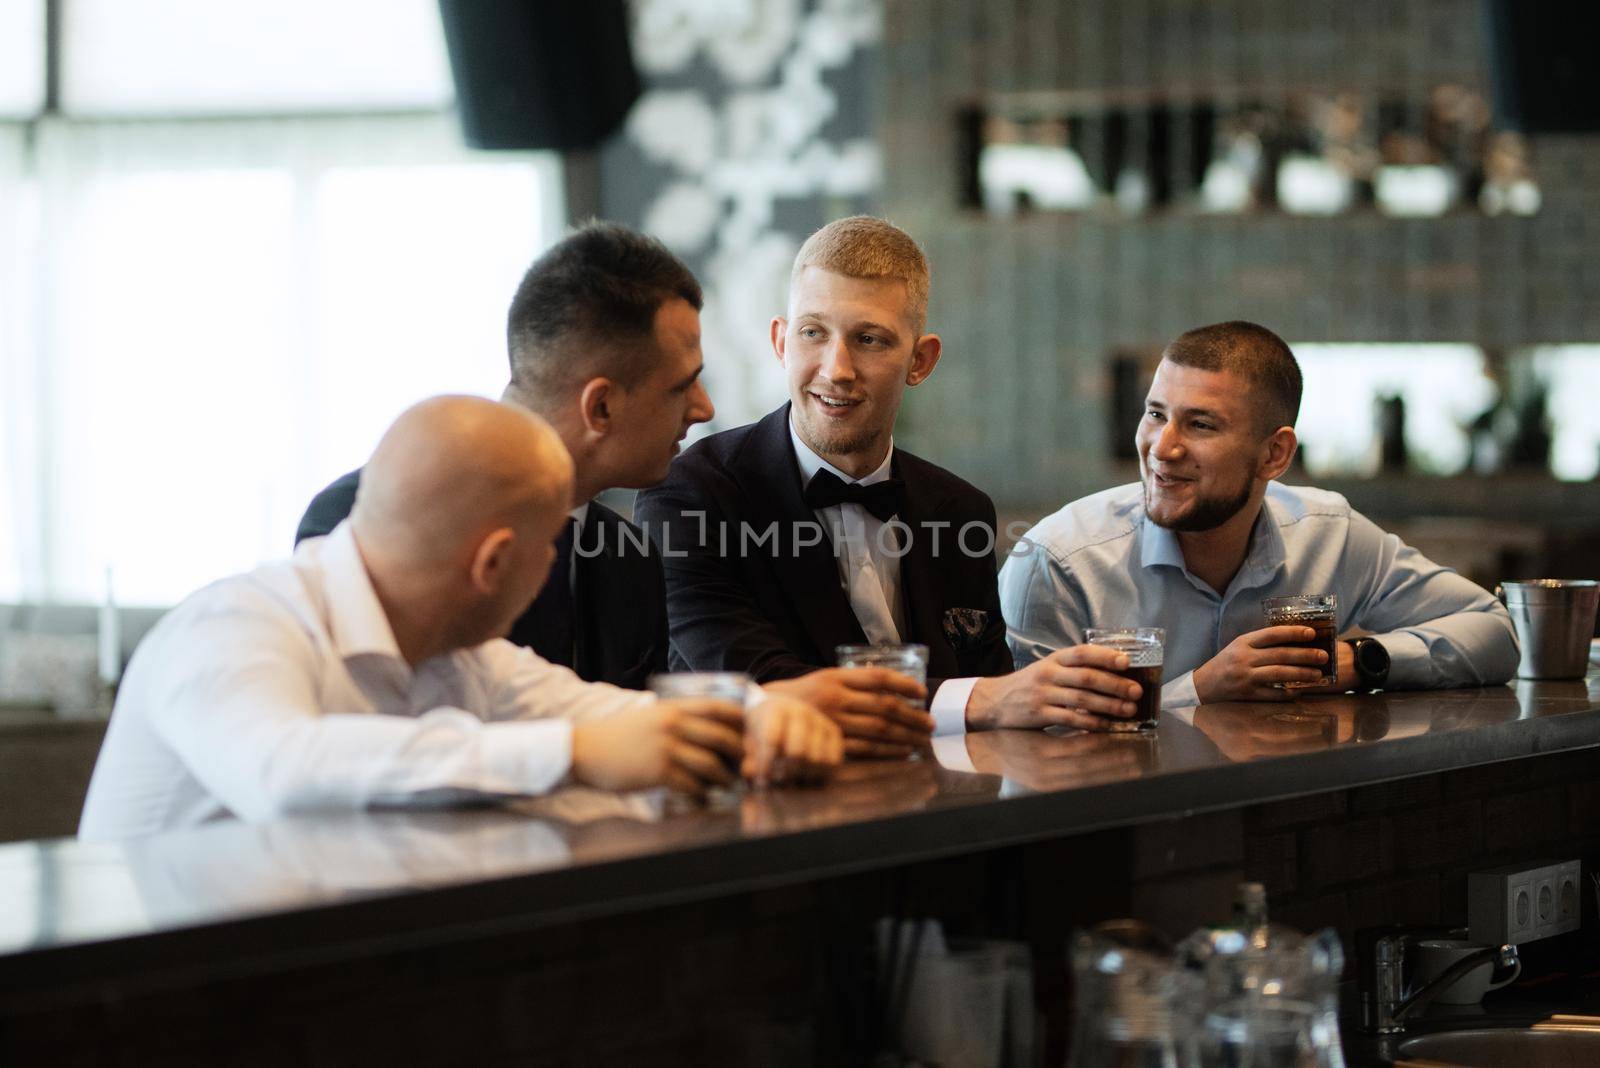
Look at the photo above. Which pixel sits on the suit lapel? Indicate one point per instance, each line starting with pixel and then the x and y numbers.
pixel 769 477
pixel 922 577
pixel 589 596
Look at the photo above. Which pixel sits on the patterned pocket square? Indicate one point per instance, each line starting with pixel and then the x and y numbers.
pixel 964 626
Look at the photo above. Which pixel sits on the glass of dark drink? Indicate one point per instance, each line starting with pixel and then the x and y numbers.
pixel 731 686
pixel 1145 647
pixel 1320 612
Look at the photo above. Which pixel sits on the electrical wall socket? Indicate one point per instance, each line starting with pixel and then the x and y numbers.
pixel 1518 904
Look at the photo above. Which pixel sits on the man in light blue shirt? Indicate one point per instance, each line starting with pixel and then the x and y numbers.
pixel 1207 533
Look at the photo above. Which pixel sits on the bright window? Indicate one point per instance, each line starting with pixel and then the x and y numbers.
pixel 423 302
pixel 224 316
pixel 188 57
pixel 1463 412
pixel 21 58
pixel 1569 378
pixel 1444 388
pixel 19 415
pixel 172 332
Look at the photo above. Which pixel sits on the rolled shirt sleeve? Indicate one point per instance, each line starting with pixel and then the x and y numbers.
pixel 1440 629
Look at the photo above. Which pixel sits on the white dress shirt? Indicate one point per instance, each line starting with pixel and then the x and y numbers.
pixel 869 573
pixel 283 690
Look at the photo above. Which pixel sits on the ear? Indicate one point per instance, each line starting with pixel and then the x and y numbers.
pixel 779 330
pixel 1277 452
pixel 924 356
pixel 595 401
pixel 491 560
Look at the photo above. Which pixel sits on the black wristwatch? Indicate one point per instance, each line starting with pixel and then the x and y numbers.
pixel 1372 663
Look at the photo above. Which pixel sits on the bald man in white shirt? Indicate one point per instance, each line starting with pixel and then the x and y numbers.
pixel 369 670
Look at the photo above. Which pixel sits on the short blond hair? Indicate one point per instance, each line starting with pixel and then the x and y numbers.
pixel 865 247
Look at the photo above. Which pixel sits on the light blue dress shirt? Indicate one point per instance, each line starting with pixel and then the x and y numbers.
pixel 1099 562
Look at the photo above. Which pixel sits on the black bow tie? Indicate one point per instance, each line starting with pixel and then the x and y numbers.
pixel 882 499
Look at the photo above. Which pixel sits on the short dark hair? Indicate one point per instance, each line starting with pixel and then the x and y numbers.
pixel 1254 353
pixel 587 307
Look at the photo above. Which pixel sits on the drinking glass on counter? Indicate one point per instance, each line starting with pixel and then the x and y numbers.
pixel 733 686
pixel 1146 649
pixel 1320 612
pixel 906 658
pixel 719 685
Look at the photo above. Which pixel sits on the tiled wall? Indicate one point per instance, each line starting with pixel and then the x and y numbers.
pixel 1030 308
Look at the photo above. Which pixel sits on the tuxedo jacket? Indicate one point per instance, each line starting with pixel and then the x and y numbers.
pixel 745 592
pixel 620 634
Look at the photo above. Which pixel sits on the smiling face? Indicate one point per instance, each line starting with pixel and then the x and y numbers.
pixel 1202 457
pixel 849 349
pixel 653 416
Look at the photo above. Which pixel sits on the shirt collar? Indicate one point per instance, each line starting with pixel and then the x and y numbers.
pixel 581 514
pixel 1158 547
pixel 810 463
pixel 356 621
pixel 1266 556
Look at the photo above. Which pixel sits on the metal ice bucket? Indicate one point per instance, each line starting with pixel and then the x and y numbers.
pixel 1554 620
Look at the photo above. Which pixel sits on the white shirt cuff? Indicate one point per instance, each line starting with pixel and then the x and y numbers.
pixel 950 750
pixel 949 705
pixel 1180 692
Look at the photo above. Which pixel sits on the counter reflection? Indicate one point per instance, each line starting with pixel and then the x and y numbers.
pixel 68 892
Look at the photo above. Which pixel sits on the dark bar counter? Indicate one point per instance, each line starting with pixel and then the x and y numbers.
pixel 85 927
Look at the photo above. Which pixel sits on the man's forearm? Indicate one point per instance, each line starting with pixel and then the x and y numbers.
pixel 1465 649
pixel 345 762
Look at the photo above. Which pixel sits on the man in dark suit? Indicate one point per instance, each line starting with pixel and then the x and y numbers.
pixel 604 340
pixel 810 529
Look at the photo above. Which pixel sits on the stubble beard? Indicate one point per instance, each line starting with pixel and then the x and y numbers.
pixel 838 441
pixel 1208 513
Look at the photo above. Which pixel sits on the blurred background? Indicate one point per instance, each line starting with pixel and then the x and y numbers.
pixel 237 239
